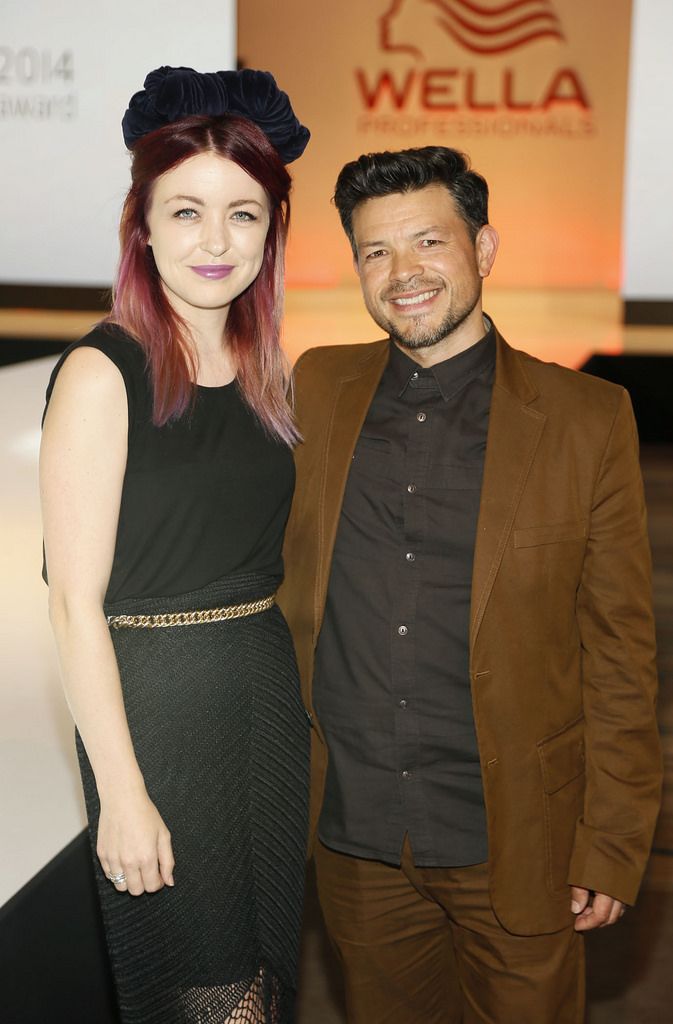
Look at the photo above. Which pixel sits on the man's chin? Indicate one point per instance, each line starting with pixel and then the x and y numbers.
pixel 415 343
pixel 420 334
pixel 415 337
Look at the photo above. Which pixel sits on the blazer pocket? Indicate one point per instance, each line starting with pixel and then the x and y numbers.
pixel 562 756
pixel 531 536
pixel 562 762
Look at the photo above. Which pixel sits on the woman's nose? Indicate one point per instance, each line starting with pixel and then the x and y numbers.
pixel 216 239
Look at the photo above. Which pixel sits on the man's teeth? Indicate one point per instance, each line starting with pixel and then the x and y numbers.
pixel 415 299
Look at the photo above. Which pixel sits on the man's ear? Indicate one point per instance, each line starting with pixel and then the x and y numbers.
pixel 486 247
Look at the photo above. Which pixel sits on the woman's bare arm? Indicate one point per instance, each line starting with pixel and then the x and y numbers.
pixel 82 464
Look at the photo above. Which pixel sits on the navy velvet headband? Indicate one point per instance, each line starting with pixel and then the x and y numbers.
pixel 173 93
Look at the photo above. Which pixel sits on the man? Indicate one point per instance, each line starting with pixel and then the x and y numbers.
pixel 468 587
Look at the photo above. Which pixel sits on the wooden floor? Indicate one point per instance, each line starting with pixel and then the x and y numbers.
pixel 563 326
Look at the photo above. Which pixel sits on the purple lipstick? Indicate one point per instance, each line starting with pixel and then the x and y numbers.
pixel 214 272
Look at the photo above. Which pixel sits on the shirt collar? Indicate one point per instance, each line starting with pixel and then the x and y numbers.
pixel 451 374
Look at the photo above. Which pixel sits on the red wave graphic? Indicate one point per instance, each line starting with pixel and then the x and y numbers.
pixel 504 47
pixel 483 31
pixel 545 21
pixel 497 29
pixel 490 12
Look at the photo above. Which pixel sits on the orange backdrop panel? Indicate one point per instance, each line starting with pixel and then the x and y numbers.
pixel 533 90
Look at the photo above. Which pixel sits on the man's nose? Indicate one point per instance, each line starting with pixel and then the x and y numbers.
pixel 405 265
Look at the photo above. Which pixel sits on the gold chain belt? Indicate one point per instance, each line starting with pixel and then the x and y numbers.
pixel 232 611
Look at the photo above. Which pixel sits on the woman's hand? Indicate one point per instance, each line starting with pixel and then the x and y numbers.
pixel 134 841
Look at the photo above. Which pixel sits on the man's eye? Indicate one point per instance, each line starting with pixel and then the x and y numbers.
pixel 430 241
pixel 375 253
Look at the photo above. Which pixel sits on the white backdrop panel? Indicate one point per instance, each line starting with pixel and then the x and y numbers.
pixel 648 215
pixel 67 71
pixel 41 807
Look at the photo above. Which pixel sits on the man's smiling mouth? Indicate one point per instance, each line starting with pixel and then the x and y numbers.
pixel 414 300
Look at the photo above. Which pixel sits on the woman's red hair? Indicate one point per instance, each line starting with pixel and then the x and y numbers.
pixel 140 305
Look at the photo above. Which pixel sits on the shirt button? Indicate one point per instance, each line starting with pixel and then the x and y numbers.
pixel 414 375
pixel 410 556
pixel 406 774
pixel 421 417
pixel 402 630
pixel 411 488
pixel 403 703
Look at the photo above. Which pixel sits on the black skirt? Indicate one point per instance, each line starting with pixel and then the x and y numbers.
pixel 222 740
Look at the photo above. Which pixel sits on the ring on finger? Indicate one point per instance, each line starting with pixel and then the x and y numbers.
pixel 117 879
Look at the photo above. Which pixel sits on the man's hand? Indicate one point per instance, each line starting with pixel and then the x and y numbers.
pixel 593 909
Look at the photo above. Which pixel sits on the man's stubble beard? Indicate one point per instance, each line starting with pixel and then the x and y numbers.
pixel 417 338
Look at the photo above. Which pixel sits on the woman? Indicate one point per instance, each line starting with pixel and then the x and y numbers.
pixel 166 477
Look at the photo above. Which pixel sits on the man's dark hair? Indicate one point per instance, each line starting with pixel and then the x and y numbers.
pixel 382 174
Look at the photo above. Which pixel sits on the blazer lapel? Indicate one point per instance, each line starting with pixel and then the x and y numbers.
pixel 353 396
pixel 514 432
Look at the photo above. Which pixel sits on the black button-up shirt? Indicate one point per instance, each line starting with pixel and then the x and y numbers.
pixel 392 687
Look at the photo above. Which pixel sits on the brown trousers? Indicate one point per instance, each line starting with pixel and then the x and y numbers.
pixel 423 946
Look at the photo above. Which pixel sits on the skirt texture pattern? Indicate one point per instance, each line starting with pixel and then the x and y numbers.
pixel 222 740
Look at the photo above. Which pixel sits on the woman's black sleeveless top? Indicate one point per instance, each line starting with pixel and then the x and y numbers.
pixel 204 496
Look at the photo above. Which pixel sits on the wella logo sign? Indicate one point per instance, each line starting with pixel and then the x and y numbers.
pixel 460 57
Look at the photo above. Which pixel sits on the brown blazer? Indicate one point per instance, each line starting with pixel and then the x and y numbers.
pixel 562 638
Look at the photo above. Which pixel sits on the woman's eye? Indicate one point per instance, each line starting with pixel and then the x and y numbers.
pixel 244 215
pixel 186 214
